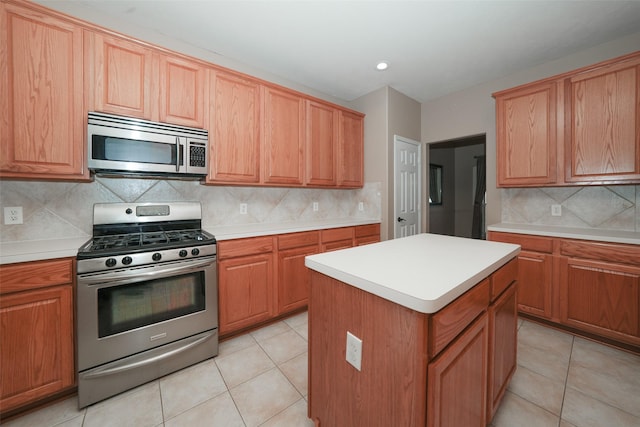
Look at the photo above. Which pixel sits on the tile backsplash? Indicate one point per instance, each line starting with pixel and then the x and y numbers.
pixel 601 207
pixel 54 210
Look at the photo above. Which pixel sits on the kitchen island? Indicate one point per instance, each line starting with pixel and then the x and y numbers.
pixel 436 316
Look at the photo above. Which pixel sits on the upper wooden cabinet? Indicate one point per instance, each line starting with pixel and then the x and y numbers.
pixel 603 124
pixel 581 127
pixel 322 144
pixel 183 91
pixel 42 116
pixel 121 76
pixel 234 141
pixel 526 131
pixel 351 150
pixel 284 137
pixel 131 79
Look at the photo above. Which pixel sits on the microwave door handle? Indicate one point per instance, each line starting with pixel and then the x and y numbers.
pixel 178 154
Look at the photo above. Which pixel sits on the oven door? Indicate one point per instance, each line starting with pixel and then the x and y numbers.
pixel 126 311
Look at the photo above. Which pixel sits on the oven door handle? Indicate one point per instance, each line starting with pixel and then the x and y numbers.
pixel 120 366
pixel 127 276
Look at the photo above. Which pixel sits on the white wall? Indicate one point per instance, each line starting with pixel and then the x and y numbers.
pixel 472 111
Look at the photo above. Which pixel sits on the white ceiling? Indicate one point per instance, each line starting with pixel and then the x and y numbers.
pixel 433 47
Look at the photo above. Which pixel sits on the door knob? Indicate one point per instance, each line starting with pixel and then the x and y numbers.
pixel 400 219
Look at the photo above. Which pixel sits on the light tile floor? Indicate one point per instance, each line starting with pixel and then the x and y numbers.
pixel 260 379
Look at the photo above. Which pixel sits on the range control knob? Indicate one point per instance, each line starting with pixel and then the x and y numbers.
pixel 182 253
pixel 156 257
pixel 127 260
pixel 110 262
pixel 195 251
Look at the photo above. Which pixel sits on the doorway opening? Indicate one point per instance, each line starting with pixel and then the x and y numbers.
pixel 457 187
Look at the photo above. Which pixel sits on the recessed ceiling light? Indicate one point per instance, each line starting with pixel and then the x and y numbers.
pixel 382 65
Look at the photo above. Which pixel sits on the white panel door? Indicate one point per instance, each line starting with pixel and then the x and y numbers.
pixel 407 186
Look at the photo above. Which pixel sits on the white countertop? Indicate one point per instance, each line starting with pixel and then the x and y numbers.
pixel 424 272
pixel 614 236
pixel 35 250
pixel 239 231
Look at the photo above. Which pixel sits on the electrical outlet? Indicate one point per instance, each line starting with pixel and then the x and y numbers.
pixel 315 206
pixel 360 206
pixel 354 350
pixel 556 210
pixel 13 215
pixel 243 208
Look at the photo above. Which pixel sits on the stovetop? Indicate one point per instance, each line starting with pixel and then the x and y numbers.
pixel 119 243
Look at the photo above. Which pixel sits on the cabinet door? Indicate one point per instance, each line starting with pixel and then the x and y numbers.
pixel 123 76
pixel 365 234
pixel 245 291
pixel 293 278
pixel 284 137
pixel 234 154
pixel 182 91
pixel 601 297
pixel 351 150
pixel 36 337
pixel 503 344
pixel 322 144
pixel 42 115
pixel 457 380
pixel 534 283
pixel 604 118
pixel 526 135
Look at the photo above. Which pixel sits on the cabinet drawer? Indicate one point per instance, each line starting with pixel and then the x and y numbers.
pixel 528 243
pixel 334 234
pixel 502 278
pixel 37 274
pixel 368 230
pixel 296 240
pixel 606 252
pixel 449 322
pixel 243 247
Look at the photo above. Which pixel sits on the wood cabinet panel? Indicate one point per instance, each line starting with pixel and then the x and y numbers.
pixel 526 135
pixel 234 150
pixel 457 381
pixel 502 278
pixel 603 141
pixel 366 234
pixel 245 291
pixel 242 247
pixel 296 240
pixel 26 276
pixel 322 143
pixel 601 297
pixel 351 149
pixel 503 347
pixel 183 92
pixel 284 137
pixel 294 277
pixel 122 76
pixel 448 323
pixel 42 113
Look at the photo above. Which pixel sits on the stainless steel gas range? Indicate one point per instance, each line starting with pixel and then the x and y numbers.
pixel 147 300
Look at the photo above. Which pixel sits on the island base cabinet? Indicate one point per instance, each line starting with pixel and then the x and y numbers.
pixel 457 379
pixel 503 345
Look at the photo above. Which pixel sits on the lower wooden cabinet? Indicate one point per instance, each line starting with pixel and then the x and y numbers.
pixel 245 283
pixel 457 380
pixel 260 278
pixel 36 331
pixel 592 287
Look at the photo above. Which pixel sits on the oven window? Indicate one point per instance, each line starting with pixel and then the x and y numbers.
pixel 126 307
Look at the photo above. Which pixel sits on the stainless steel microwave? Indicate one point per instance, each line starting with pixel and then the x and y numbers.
pixel 123 146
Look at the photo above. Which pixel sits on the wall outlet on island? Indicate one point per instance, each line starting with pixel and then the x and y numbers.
pixel 354 350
